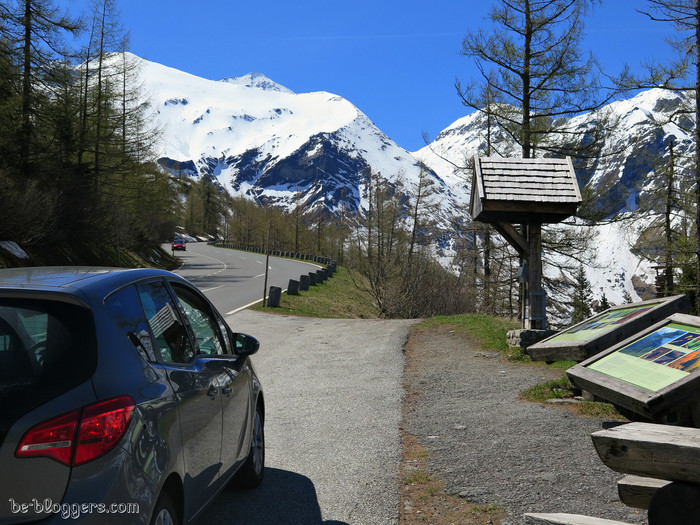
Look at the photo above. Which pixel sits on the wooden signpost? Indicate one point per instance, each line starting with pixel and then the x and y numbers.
pixel 517 196
pixel 600 332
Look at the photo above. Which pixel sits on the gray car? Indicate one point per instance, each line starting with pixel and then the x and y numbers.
pixel 124 398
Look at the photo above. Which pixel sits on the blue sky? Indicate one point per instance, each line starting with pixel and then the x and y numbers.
pixel 395 60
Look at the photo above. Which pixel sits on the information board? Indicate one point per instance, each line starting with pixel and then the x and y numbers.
pixel 656 360
pixel 600 332
pixel 650 372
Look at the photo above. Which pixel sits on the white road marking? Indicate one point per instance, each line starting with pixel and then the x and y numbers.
pixel 243 307
pixel 249 305
pixel 215 259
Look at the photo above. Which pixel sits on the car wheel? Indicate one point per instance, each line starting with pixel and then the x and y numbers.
pixel 253 470
pixel 165 512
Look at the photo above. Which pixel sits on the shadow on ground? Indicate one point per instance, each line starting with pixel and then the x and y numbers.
pixel 284 498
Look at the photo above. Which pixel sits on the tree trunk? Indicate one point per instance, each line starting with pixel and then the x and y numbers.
pixel 527 51
pixel 668 288
pixel 697 154
pixel 26 90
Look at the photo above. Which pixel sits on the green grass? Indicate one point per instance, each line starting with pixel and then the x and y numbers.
pixel 337 297
pixel 488 330
pixel 486 508
pixel 562 389
pixel 556 389
pixel 599 409
pixel 562 364
pixel 419 476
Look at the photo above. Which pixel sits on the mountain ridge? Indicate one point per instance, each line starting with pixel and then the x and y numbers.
pixel 259 139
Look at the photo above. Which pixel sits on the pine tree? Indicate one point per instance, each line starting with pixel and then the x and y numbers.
pixel 581 297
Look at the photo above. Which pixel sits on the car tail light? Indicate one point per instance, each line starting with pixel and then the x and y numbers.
pixel 79 436
pixel 101 427
pixel 53 438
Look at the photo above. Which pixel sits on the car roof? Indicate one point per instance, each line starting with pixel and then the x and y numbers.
pixel 78 281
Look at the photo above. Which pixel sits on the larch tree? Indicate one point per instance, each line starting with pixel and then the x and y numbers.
pixel 32 49
pixel 532 65
pixel 682 73
pixel 534 76
pixel 33 32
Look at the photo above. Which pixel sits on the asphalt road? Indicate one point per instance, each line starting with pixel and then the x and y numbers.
pixel 233 279
pixel 333 391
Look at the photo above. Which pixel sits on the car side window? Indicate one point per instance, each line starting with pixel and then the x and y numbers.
pixel 125 307
pixel 166 326
pixel 201 319
pixel 224 331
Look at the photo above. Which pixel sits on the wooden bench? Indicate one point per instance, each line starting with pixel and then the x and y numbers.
pixel 567 519
pixel 653 451
pixel 663 467
pixel 637 491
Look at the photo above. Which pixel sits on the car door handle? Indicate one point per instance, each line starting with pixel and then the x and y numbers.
pixel 227 391
pixel 212 393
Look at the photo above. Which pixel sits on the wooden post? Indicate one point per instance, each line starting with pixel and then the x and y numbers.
pixel 534 279
pixel 267 260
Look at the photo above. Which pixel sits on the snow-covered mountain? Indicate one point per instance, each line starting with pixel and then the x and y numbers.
pixel 627 168
pixel 260 139
pixel 315 150
pixel 633 150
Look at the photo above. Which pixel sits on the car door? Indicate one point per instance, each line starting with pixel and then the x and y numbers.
pixel 235 388
pixel 196 382
pixel 238 408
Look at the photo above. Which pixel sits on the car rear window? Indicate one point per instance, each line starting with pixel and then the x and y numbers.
pixel 46 348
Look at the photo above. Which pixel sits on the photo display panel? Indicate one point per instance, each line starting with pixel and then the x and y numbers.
pixel 656 360
pixel 606 329
pixel 600 324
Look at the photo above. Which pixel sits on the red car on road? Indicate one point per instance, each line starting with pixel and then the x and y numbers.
pixel 179 244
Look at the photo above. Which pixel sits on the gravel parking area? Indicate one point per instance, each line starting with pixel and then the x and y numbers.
pixel 493 449
pixel 333 397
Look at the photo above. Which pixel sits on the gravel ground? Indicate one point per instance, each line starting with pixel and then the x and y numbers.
pixel 333 395
pixel 491 447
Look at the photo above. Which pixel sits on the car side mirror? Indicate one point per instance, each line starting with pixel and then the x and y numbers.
pixel 244 344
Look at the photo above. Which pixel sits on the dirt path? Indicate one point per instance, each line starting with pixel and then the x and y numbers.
pixel 475 454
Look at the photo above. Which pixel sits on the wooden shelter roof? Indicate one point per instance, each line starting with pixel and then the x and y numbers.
pixel 515 190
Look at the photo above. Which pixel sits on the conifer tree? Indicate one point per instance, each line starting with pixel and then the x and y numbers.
pixel 682 73
pixel 532 64
pixel 581 297
pixel 33 34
